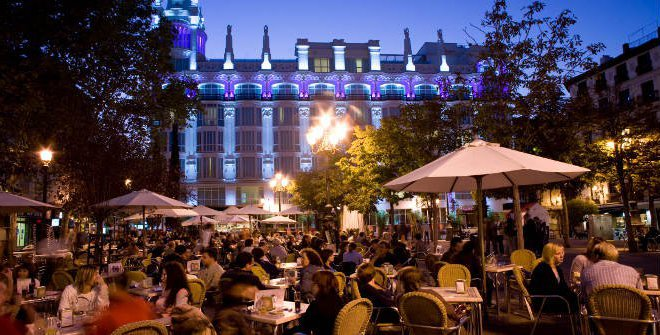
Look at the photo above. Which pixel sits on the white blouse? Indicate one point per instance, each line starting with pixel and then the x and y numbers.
pixel 24 284
pixel 94 300
pixel 181 299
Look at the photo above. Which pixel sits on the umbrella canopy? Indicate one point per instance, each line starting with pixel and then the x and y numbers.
pixel 231 210
pixel 143 198
pixel 205 211
pixel 222 217
pixel 253 210
pixel 167 212
pixel 198 220
pixel 278 219
pixel 238 219
pixel 293 210
pixel 481 165
pixel 16 203
pixel 500 167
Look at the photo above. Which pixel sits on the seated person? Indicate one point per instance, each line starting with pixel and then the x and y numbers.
pixel 352 256
pixel 88 293
pixel 124 308
pixel 240 273
pixel 583 261
pixel 278 252
pixel 175 288
pixel 212 271
pixel 455 246
pixel 8 324
pixel 323 310
pixel 383 255
pixel 260 258
pixel 548 279
pixel 378 296
pixel 606 271
pixel 400 252
pixel 311 263
pixel 229 318
pixel 24 281
pixel 328 259
pixel 410 280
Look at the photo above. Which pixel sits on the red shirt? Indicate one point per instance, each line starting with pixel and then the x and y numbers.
pixel 123 309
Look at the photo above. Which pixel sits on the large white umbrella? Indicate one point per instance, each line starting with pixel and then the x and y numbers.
pixel 253 210
pixel 198 220
pixel 16 203
pixel 293 210
pixel 279 219
pixel 222 217
pixel 231 210
pixel 238 219
pixel 206 211
pixel 481 165
pixel 166 212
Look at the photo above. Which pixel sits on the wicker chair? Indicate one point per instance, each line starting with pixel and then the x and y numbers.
pixel 61 279
pixel 355 290
pixel 618 309
pixel 197 292
pixel 536 262
pixel 258 271
pixel 424 314
pixel 341 281
pixel 136 276
pixel 380 277
pixel 353 318
pixel 449 273
pixel 524 258
pixel 291 258
pixel 149 327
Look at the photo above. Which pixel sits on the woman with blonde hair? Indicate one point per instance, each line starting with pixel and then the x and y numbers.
pixel 548 279
pixel 88 293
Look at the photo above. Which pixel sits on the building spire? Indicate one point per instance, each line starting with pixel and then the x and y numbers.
pixel 265 51
pixel 229 51
pixel 444 67
pixel 407 51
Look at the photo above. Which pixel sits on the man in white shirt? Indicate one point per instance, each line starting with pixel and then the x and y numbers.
pixel 212 271
pixel 278 251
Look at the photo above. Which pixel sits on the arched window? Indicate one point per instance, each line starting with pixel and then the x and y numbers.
pixel 426 92
pixel 248 91
pixel 357 92
pixel 322 91
pixel 285 91
pixel 392 92
pixel 211 91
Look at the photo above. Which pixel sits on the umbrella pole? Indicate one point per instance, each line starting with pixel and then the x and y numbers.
pixel 144 223
pixel 480 228
pixel 518 218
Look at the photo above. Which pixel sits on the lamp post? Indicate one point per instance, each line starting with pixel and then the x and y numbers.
pixel 46 156
pixel 325 137
pixel 279 184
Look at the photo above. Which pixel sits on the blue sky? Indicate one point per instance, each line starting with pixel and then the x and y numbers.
pixel 607 21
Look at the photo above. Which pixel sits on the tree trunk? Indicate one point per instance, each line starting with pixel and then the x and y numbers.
pixel 518 217
pixel 11 240
pixel 175 168
pixel 654 217
pixel 632 244
pixel 391 217
pixel 565 224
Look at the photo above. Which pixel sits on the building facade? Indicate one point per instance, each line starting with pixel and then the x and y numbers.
pixel 257 111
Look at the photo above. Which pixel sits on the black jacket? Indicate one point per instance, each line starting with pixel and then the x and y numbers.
pixel 544 282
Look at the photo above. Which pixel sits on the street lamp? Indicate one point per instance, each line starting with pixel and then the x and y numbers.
pixel 279 184
pixel 325 137
pixel 46 156
pixel 128 183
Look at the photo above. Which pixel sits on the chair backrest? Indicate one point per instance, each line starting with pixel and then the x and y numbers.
pixel 622 302
pixel 520 281
pixel 61 279
pixel 149 327
pixel 290 258
pixel 197 291
pixel 355 290
pixel 380 278
pixel 341 280
pixel 536 262
pixel 353 318
pixel 348 268
pixel 449 273
pixel 136 276
pixel 258 271
pixel 524 258
pixel 422 309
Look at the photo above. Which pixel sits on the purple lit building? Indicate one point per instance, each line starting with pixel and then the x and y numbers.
pixel 257 111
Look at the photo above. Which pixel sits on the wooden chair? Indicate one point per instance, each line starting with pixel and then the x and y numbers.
pixel 341 281
pixel 449 273
pixel 524 258
pixel 353 318
pixel 197 292
pixel 621 310
pixel 423 313
pixel 149 327
pixel 61 279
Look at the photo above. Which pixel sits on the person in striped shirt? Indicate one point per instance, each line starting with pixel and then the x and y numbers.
pixel 606 271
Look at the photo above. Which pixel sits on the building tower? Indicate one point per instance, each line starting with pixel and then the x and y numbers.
pixel 190 40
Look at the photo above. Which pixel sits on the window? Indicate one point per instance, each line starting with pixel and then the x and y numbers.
pixel 248 116
pixel 181 64
pixel 426 92
pixel 248 168
pixel 391 112
pixel 248 91
pixel 360 113
pixel 207 167
pixel 286 141
pixel 285 91
pixel 208 116
pixel 601 82
pixel 644 63
pixel 285 116
pixel 211 196
pixel 286 164
pixel 392 92
pixel 211 91
pixel 321 64
pixel 358 92
pixel 249 195
pixel 624 98
pixel 358 65
pixel 248 141
pixel 322 91
pixel 648 91
pixel 621 73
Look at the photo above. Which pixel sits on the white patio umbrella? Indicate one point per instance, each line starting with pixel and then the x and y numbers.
pixel 166 212
pixel 198 220
pixel 238 219
pixel 253 210
pixel 481 165
pixel 206 211
pixel 293 210
pixel 280 220
pixel 12 203
pixel 231 210
pixel 222 217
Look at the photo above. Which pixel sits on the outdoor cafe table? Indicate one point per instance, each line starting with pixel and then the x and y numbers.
pixel 654 295
pixel 278 320
pixel 287 266
pixel 146 293
pixel 499 271
pixel 471 297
